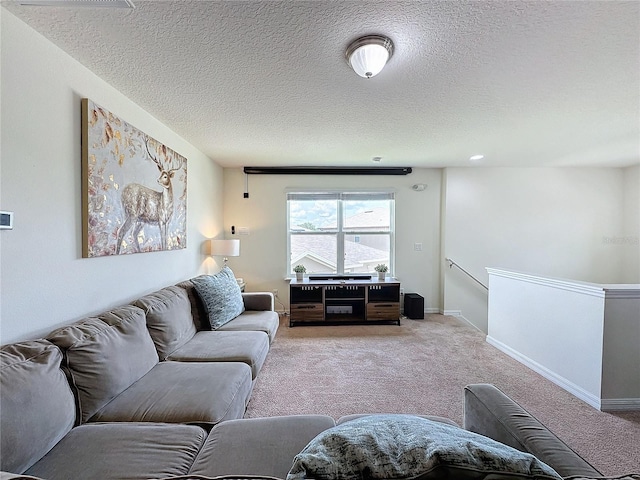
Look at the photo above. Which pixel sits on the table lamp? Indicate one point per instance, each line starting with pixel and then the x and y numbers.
pixel 225 248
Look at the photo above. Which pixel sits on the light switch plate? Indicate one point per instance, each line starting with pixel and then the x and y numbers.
pixel 6 220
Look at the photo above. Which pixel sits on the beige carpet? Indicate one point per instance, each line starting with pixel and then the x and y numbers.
pixel 421 367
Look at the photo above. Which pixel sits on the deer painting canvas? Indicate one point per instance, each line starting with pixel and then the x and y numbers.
pixel 134 188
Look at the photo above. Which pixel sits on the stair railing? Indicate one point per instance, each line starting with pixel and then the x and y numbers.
pixel 452 264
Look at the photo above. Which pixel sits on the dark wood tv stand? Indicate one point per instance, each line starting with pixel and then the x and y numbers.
pixel 334 300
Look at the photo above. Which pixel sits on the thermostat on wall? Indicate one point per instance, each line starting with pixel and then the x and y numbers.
pixel 6 220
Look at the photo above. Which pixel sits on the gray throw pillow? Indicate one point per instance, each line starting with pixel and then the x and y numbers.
pixel 410 447
pixel 220 295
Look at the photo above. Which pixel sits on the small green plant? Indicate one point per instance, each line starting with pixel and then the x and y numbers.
pixel 299 269
pixel 381 268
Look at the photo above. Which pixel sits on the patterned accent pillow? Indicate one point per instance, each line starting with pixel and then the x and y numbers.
pixel 410 447
pixel 220 295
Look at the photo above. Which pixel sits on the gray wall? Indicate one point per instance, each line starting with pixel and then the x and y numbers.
pixel 44 281
pixel 262 261
pixel 553 222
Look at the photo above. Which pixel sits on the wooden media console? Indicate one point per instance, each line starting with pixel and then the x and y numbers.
pixel 339 299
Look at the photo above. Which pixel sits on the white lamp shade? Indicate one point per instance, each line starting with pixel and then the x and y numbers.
pixel 369 60
pixel 225 248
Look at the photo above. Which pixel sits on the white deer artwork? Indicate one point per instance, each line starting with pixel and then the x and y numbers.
pixel 145 206
pixel 128 208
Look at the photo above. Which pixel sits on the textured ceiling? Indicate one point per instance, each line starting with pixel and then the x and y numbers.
pixel 265 83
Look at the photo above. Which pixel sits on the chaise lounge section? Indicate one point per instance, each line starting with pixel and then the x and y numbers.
pixel 116 376
pixel 39 436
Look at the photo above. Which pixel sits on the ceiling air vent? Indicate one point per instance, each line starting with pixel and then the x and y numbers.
pixel 78 3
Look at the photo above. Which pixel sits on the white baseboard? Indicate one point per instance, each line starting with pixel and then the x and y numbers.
pixel 468 322
pixel 619 404
pixel 458 314
pixel 569 386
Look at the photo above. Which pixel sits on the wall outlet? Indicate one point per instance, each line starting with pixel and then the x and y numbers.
pixel 275 292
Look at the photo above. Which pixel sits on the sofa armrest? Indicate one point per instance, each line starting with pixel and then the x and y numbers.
pixel 258 301
pixel 489 412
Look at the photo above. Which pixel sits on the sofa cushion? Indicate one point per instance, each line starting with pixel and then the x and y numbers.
pixel 198 312
pixel 246 347
pixel 122 450
pixel 169 320
pixel 411 447
pixel 183 392
pixel 38 407
pixel 220 295
pixel 257 446
pixel 266 321
pixel 105 355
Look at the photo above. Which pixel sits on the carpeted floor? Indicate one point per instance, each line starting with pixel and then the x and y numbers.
pixel 421 367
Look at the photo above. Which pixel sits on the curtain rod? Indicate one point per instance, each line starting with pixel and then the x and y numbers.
pixel 328 170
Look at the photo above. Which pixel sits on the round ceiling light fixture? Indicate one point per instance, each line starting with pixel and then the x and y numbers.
pixel 369 54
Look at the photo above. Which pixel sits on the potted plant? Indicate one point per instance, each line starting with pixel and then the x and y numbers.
pixel 382 270
pixel 300 271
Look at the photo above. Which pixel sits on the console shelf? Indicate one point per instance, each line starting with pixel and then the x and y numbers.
pixel 340 300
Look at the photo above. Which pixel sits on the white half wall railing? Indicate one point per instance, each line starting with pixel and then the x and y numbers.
pixel 585 337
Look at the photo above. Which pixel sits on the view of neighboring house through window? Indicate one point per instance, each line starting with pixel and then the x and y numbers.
pixel 340 233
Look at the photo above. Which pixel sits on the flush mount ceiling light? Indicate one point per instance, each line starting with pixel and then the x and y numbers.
pixel 368 55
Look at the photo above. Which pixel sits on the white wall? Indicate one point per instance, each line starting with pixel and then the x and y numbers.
pixel 547 221
pixel 262 261
pixel 554 327
pixel 44 281
pixel 583 336
pixel 629 242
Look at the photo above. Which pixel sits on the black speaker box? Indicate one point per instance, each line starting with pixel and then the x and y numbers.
pixel 413 305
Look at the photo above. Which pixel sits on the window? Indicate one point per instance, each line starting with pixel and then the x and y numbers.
pixel 340 232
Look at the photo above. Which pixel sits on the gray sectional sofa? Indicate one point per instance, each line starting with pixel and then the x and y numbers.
pixel 145 391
